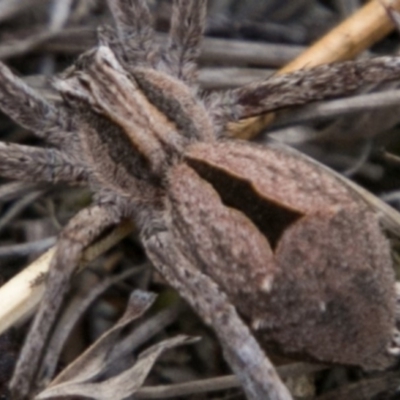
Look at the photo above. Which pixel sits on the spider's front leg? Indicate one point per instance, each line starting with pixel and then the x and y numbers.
pixel 301 87
pixel 76 236
pixel 27 163
pixel 133 20
pixel 185 36
pixel 30 110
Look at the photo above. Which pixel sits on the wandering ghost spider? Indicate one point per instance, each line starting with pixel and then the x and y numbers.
pixel 231 225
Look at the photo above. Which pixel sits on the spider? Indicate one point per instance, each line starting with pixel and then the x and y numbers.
pixel 134 127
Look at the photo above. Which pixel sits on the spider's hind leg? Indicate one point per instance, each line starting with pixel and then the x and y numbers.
pixel 32 111
pixel 187 26
pixel 135 32
pixel 33 164
pixel 85 227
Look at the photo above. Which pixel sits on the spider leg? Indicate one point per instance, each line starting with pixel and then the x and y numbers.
pixel 301 87
pixel 185 36
pixel 33 164
pixel 30 110
pixel 75 237
pixel 134 27
pixel 259 379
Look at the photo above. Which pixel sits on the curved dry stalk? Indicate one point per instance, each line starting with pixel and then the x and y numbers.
pixel 335 108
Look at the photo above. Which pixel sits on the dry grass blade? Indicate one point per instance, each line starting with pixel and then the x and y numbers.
pixel 70 316
pixel 122 385
pixel 25 249
pixel 145 331
pixel 59 14
pixel 334 108
pixel 18 207
pixel 78 378
pixel 94 360
pixel 12 190
pixel 217 384
pixel 389 217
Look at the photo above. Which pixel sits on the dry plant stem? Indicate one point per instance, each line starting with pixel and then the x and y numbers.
pixel 109 349
pixel 19 296
pixel 239 52
pixel 358 32
pixel 18 207
pixel 146 331
pixel 60 10
pixel 216 384
pixel 25 249
pixel 93 360
pixel 70 316
pixel 354 35
pixel 9 8
pixel 12 190
pixel 227 78
pixel 189 388
pixel 23 46
pixel 347 7
pixel 227 51
pixel 121 386
pixel 334 108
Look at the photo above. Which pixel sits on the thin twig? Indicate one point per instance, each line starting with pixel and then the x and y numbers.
pixel 25 249
pixel 18 207
pixel 220 383
pixel 226 51
pixel 9 8
pixel 340 107
pixel 225 78
pixel 12 190
pixel 75 309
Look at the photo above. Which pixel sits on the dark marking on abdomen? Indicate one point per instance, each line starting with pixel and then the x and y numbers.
pixel 121 149
pixel 269 217
pixel 169 106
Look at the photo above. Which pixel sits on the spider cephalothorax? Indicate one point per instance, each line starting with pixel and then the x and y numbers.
pixel 226 222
